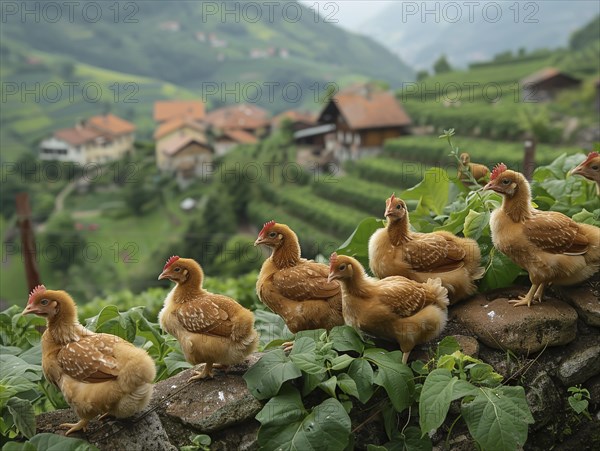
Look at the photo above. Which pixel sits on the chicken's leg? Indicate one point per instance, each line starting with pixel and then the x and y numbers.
pixel 526 300
pixel 539 293
pixel 206 372
pixel 287 346
pixel 74 427
pixel 405 357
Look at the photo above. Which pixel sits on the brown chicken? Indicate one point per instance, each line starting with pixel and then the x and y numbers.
pixel 394 308
pixel 553 248
pixel 98 374
pixel 397 251
pixel 590 169
pixel 211 328
pixel 478 171
pixel 295 288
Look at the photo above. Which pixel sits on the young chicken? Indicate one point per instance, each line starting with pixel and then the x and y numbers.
pixel 211 328
pixel 590 169
pixel 98 374
pixel 394 308
pixel 294 288
pixel 397 251
pixel 549 245
pixel 478 171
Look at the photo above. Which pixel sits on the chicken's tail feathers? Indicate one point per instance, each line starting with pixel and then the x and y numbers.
pixel 438 292
pixel 137 370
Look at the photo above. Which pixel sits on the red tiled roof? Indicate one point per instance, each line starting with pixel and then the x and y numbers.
pixel 294 116
pixel 77 136
pixel 240 136
pixel 110 124
pixel 168 109
pixel 177 123
pixel 176 143
pixel 369 110
pixel 248 117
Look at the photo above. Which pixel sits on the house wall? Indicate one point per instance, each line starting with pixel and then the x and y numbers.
pixel 110 151
pixel 58 150
pixel 193 153
pixel 90 152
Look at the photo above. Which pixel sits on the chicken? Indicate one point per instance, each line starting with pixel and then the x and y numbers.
pixel 478 171
pixel 98 374
pixel 211 328
pixel 553 248
pixel 397 251
pixel 590 169
pixel 295 288
pixel 394 308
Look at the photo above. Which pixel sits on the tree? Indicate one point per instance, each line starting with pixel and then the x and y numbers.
pixel 422 75
pixel 63 244
pixel 442 65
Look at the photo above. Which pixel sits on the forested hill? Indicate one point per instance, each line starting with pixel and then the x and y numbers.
pixel 187 43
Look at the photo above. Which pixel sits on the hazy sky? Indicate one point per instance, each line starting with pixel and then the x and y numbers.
pixel 350 14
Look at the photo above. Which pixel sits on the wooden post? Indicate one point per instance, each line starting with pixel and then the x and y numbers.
pixel 529 157
pixel 27 241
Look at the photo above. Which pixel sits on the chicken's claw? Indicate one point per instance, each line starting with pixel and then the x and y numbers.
pixel 287 346
pixel 523 301
pixel 205 373
pixel 74 427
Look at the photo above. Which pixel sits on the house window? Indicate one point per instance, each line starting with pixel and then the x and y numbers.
pixel 357 139
pixel 348 138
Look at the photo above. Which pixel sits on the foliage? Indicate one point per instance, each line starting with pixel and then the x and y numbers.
pixel 441 65
pixel 392 172
pixel 50 442
pixel 579 400
pixel 200 442
pixel 332 373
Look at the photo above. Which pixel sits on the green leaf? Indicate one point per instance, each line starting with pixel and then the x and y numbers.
pixel 265 378
pixel 500 272
pixel 305 358
pixel 448 345
pixel 54 442
pixel 329 385
pixel 497 418
pixel 19 446
pixel 432 191
pixel 341 362
pixel 286 425
pixel 578 405
pixel 347 385
pixel 475 223
pixel 436 396
pixel 413 441
pixel 23 415
pixel 394 376
pixel 357 244
pixel 345 338
pixel 361 372
pixel 311 381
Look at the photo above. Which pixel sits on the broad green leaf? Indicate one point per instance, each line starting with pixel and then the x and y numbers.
pixel 107 313
pixel 361 372
pixel 345 338
pixel 11 365
pixel 578 405
pixel 447 362
pixel 265 378
pixel 413 441
pixel 23 415
pixel 270 327
pixel 475 223
pixel 357 244
pixel 436 396
pixel 313 334
pixel 341 362
pixel 19 446
pixel 448 345
pixel 286 425
pixel 432 191
pixel 311 381
pixel 484 374
pixel 500 272
pixel 305 358
pixel 497 418
pixel 347 385
pixel 394 376
pixel 329 385
pixel 54 442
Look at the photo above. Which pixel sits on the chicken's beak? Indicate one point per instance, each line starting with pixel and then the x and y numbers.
pixel 577 171
pixel 28 309
pixel 492 187
pixel 162 276
pixel 258 241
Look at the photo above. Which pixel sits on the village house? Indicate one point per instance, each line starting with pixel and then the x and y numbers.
pixel 99 139
pixel 180 127
pixel 543 85
pixel 298 120
pixel 249 118
pixel 169 109
pixel 353 124
pixel 225 140
pixel 184 156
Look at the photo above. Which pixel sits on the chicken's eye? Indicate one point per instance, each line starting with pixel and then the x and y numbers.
pixel 177 269
pixel 399 207
pixel 272 234
pixel 342 267
pixel 505 181
pixel 595 167
pixel 44 302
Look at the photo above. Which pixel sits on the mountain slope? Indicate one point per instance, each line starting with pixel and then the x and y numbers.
pixel 420 40
pixel 188 44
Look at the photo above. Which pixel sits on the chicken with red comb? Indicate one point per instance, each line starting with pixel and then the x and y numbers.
pixel 98 374
pixel 590 169
pixel 293 287
pixel 552 247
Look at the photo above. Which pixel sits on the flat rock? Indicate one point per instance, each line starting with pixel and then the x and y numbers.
pixel 523 330
pixel 580 365
pixel 469 345
pixel 210 404
pixel 586 303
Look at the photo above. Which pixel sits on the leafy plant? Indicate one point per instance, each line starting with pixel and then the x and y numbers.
pixel 579 400
pixel 200 442
pixel 327 374
pixel 50 442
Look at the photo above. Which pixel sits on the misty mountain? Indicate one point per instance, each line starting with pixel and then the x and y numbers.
pixel 420 32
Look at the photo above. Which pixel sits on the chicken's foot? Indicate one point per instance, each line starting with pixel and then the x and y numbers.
pixel 206 372
pixel 539 293
pixel 220 366
pixel 104 416
pixel 74 427
pixel 287 346
pixel 526 300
